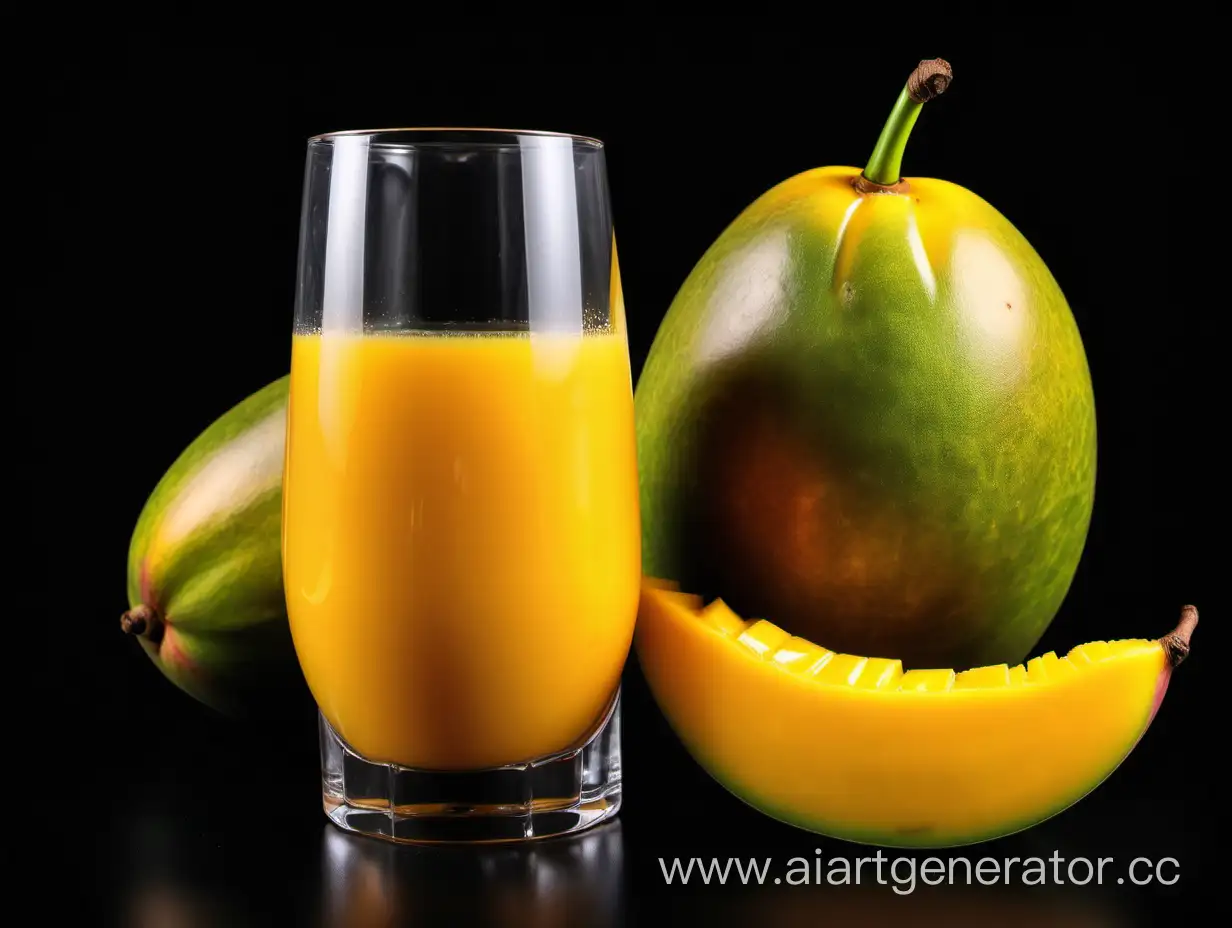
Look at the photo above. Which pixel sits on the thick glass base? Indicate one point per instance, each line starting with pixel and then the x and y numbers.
pixel 553 795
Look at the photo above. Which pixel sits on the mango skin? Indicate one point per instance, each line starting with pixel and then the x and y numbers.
pixel 870 417
pixel 206 555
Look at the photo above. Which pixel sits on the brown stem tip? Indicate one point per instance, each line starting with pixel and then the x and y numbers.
pixel 1176 642
pixel 929 79
pixel 141 620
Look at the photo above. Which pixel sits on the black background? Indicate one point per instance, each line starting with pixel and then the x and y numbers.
pixel 172 203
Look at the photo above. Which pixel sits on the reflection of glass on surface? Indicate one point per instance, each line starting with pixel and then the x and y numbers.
pixel 571 881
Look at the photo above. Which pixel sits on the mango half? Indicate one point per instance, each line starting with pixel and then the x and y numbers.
pixel 854 748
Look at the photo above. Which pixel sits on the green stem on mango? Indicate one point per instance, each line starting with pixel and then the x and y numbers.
pixel 928 80
pixel 142 621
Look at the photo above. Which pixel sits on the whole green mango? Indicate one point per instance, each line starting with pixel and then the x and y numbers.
pixel 205 564
pixel 868 417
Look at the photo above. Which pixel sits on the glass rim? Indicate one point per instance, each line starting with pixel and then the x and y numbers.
pixel 410 133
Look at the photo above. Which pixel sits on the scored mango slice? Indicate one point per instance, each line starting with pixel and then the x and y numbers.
pixel 855 748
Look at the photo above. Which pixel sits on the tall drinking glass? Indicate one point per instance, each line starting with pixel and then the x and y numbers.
pixel 461 540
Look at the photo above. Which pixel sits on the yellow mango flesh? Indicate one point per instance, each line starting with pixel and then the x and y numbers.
pixel 855 748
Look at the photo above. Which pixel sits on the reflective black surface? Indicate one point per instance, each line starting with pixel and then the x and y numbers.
pixel 199 821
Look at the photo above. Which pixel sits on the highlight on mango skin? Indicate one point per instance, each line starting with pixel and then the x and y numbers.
pixel 856 748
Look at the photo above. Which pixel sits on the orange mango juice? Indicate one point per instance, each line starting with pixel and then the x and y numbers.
pixel 461 544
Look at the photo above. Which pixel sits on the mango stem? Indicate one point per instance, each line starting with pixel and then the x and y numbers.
pixel 1176 642
pixel 928 80
pixel 142 621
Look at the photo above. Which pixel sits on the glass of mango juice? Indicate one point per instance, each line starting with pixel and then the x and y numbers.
pixel 461 538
